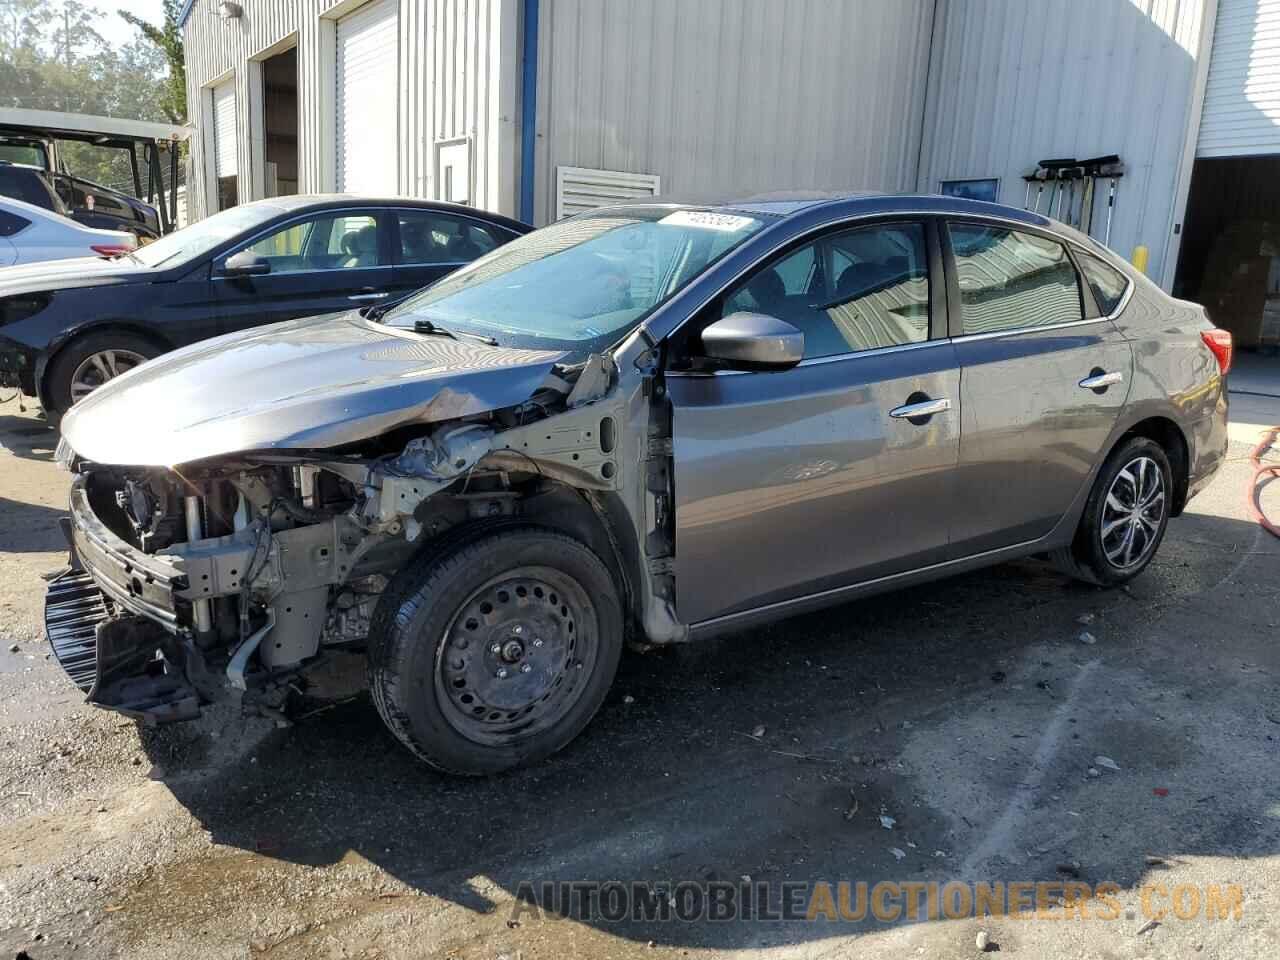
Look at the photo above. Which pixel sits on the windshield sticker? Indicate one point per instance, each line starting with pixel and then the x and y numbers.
pixel 705 220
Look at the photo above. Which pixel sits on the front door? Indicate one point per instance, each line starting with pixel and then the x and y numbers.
pixel 792 482
pixel 1042 384
pixel 332 261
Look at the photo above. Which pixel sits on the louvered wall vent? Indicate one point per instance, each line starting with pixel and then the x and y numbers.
pixel 578 188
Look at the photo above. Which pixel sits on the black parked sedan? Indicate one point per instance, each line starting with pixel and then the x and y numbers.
pixel 68 326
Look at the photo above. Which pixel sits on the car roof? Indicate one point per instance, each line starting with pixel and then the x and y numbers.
pixel 324 201
pixel 857 202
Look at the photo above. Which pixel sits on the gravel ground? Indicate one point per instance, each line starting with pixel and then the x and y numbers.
pixel 969 712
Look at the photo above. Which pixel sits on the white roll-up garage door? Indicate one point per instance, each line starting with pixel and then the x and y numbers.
pixel 224 129
pixel 1242 99
pixel 367 100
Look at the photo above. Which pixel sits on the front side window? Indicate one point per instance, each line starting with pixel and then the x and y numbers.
pixel 1107 283
pixel 857 290
pixel 1011 280
pixel 336 242
pixel 581 284
pixel 430 237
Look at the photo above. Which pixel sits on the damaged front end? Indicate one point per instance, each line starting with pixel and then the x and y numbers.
pixel 242 571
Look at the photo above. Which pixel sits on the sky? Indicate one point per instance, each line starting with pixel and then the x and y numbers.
pixel 112 26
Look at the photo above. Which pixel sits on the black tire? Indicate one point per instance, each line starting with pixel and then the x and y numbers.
pixel 419 622
pixel 68 360
pixel 1093 557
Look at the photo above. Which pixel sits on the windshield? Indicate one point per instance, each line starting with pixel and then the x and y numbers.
pixel 581 284
pixel 203 235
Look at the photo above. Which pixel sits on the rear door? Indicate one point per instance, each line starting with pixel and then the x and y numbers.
pixel 335 260
pixel 1043 380
pixel 428 245
pixel 796 481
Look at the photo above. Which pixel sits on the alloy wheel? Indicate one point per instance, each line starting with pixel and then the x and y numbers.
pixel 1133 513
pixel 97 368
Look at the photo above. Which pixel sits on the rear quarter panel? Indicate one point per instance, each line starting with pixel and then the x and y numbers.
pixel 1175 375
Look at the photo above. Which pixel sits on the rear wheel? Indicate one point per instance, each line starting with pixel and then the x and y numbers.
pixel 496 653
pixel 90 361
pixel 1125 517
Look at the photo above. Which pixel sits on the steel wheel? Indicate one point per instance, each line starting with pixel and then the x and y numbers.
pixel 97 368
pixel 515 656
pixel 1132 514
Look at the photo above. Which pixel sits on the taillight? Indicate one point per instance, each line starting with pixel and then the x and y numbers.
pixel 110 249
pixel 1219 343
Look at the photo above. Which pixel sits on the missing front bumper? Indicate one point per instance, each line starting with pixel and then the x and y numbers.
pixel 124 663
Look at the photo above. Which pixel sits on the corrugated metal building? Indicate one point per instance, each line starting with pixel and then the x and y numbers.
pixel 632 97
pixel 540 108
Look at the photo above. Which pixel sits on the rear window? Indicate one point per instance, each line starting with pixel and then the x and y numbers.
pixel 1107 283
pixel 27 186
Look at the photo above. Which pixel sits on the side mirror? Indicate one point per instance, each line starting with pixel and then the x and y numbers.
pixel 246 263
pixel 754 340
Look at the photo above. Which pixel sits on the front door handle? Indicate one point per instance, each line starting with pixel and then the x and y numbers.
pixel 1100 381
pixel 369 296
pixel 924 408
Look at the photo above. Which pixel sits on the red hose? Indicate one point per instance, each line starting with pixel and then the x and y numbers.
pixel 1261 470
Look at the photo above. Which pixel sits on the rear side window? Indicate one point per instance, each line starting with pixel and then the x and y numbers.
pixel 1107 283
pixel 11 223
pixel 1011 280
pixel 430 237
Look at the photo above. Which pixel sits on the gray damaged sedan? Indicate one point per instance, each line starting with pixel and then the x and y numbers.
pixel 646 422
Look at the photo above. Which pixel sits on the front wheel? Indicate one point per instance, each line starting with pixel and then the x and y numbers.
pixel 1125 517
pixel 89 361
pixel 497 653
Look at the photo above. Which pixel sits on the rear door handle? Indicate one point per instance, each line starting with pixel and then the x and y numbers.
pixel 369 296
pixel 925 408
pixel 1101 381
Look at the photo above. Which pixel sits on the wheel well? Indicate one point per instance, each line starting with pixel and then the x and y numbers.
pixel 160 342
pixel 595 520
pixel 1171 439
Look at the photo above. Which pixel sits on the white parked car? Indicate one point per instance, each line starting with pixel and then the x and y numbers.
pixel 29 234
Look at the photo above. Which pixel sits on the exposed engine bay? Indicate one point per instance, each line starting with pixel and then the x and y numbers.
pixel 240 571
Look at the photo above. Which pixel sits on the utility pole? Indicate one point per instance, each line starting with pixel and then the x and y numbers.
pixel 66 34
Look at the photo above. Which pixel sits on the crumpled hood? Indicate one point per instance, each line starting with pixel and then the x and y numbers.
pixel 73 272
pixel 302 384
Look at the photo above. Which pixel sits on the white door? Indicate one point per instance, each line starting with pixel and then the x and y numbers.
pixel 224 129
pixel 367 99
pixel 1241 115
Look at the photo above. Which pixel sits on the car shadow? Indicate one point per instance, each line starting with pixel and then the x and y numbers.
pixel 28 437
pixel 771 754
pixel 30 528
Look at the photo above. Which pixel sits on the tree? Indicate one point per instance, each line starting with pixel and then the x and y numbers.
pixel 52 58
pixel 168 38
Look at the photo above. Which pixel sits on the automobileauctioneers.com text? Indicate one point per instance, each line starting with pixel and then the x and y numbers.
pixel 886 901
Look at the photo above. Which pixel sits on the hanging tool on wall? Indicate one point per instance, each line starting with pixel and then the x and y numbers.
pixel 1037 176
pixel 1053 169
pixel 1072 175
pixel 1093 169
pixel 1113 171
